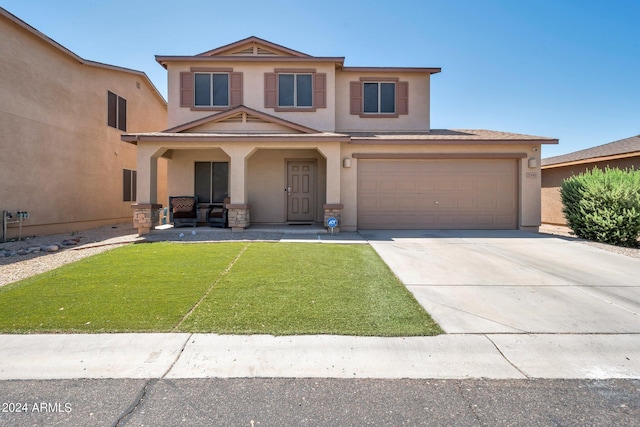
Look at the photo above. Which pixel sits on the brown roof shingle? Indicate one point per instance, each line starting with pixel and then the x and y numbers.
pixel 623 146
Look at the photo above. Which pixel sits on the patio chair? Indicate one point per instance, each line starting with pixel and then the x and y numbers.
pixel 217 214
pixel 183 211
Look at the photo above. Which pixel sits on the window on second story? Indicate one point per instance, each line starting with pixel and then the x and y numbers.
pixel 295 90
pixel 116 111
pixel 211 89
pixel 381 97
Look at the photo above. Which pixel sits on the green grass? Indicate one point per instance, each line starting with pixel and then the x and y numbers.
pixel 239 288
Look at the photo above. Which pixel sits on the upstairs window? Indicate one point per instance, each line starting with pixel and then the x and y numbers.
pixel 295 90
pixel 379 98
pixel 116 111
pixel 211 89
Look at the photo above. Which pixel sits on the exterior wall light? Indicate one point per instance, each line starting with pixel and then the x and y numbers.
pixel 346 162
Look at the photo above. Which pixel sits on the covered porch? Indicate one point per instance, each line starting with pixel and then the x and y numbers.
pixel 268 179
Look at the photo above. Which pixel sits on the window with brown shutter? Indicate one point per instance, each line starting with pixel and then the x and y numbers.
pixel 211 88
pixel 116 111
pixel 295 90
pixel 379 97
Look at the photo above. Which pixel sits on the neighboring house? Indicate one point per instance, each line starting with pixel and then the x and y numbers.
pixel 293 138
pixel 62 158
pixel 622 154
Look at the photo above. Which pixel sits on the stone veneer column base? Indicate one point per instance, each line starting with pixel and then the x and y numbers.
pixel 238 217
pixel 146 216
pixel 333 210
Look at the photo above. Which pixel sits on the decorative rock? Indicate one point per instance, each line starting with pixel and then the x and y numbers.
pixel 51 248
pixel 70 242
pixel 22 252
pixel 33 249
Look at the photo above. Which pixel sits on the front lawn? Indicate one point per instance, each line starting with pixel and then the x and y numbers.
pixel 227 288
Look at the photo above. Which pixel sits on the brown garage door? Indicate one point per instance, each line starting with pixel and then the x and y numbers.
pixel 437 194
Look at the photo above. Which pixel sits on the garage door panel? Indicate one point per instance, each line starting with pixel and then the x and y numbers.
pixel 416 194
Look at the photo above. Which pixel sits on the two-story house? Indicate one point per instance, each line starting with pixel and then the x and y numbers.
pixel 294 138
pixel 62 159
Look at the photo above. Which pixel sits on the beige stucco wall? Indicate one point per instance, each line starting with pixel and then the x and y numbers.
pixel 529 178
pixel 552 177
pixel 322 119
pixel 419 98
pixel 266 171
pixel 60 161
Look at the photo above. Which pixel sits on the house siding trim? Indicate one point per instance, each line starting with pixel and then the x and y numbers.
pixel 439 155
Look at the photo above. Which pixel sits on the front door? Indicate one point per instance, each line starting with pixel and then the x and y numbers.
pixel 301 190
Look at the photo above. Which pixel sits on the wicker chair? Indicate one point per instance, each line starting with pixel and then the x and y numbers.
pixel 183 211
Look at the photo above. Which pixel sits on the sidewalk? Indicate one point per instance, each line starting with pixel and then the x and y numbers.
pixel 453 356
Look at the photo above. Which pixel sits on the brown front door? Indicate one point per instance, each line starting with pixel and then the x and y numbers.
pixel 300 191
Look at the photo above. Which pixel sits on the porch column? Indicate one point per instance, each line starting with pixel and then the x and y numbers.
pixel 238 214
pixel 146 210
pixel 333 206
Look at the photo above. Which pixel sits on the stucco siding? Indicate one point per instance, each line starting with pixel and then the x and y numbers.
pixel 322 119
pixel 416 120
pixel 552 177
pixel 61 162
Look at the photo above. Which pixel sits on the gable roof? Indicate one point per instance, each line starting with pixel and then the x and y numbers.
pixel 253 46
pixel 20 23
pixel 248 113
pixel 627 147
pixel 251 49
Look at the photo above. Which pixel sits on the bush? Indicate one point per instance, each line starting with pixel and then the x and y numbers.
pixel 604 206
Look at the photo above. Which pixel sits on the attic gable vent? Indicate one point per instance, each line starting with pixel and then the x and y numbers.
pixel 245 52
pixel 265 52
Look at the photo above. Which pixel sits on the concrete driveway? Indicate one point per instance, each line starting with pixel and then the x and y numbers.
pixel 506 282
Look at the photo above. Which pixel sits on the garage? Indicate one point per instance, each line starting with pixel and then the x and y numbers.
pixel 437 193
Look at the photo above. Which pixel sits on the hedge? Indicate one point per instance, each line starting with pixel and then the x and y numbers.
pixel 604 206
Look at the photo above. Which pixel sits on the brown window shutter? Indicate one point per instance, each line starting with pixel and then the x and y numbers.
pixel 270 90
pixel 320 90
pixel 402 97
pixel 355 92
pixel 186 89
pixel 122 114
pixel 112 109
pixel 235 89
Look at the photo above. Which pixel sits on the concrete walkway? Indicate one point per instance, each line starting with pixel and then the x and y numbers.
pixel 515 305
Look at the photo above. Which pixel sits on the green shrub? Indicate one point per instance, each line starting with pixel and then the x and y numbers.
pixel 604 206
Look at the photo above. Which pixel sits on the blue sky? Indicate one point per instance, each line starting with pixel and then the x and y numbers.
pixel 568 69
